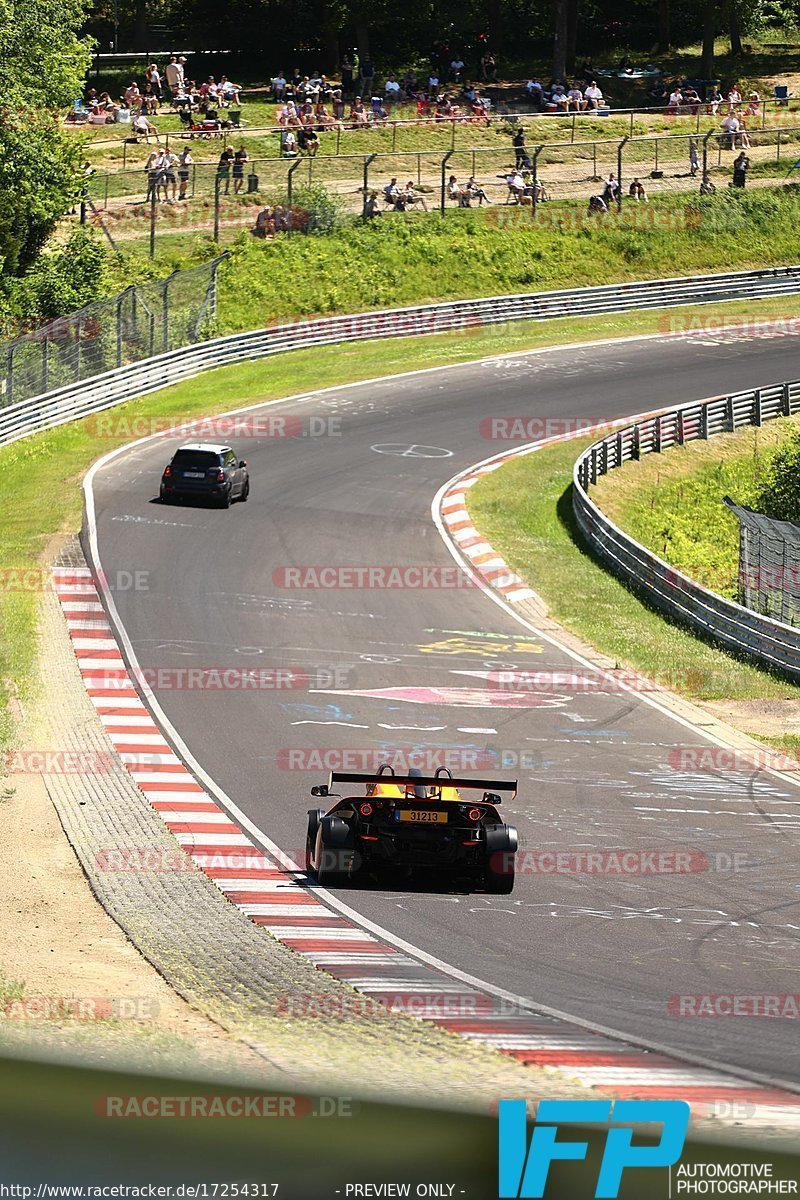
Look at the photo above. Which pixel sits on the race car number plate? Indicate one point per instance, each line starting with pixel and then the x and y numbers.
pixel 194 474
pixel 421 816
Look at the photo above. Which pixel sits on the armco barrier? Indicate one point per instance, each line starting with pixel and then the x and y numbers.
pixel 773 643
pixel 114 387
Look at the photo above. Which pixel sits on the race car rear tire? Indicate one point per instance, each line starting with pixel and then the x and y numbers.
pixel 502 842
pixel 335 851
pixel 315 815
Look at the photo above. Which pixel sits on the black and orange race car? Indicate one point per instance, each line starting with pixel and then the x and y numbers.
pixel 412 823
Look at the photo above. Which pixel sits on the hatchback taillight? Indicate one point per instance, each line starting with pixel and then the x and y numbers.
pixel 167 470
pixel 220 476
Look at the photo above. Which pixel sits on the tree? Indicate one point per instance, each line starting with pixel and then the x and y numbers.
pixel 43 66
pixel 709 33
pixel 561 39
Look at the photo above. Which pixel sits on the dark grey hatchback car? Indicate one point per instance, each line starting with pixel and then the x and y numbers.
pixel 205 470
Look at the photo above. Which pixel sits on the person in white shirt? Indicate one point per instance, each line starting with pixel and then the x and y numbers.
pixel 594 95
pixel 575 100
pixel 278 86
pixel 731 126
pixel 185 161
pixel 173 74
pixel 143 128
pixel 675 100
pixel 559 97
pixel 433 84
pixel 392 89
pixel 535 92
pixel 734 98
pixel 456 67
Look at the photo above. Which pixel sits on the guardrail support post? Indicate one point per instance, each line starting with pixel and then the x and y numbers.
pixel 730 413
pixel 445 161
pixel 657 436
pixel 620 148
pixel 704 422
pixel 786 400
pixel 757 415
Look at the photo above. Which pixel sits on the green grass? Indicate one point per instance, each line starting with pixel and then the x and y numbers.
pixel 524 510
pixel 476 253
pixel 40 476
pixel 672 502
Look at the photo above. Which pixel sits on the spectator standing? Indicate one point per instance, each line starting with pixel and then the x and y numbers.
pixel 694 157
pixel 224 169
pixel 153 77
pixel 366 76
pixel 741 165
pixel 488 67
pixel 185 162
pixel 171 164
pixel 240 159
pixel 347 76
pixel 521 154
pixel 173 75
pixel 154 169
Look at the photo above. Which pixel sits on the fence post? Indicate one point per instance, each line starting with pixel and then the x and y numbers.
pixel 165 311
pixel 120 300
pixel 453 136
pixel 217 182
pixel 394 135
pixel 153 224
pixel 620 148
pixel 445 161
pixel 105 198
pixel 763 114
pixel 10 375
pixel 367 160
pixel 705 157
pixel 78 349
pixel 124 154
pixel 779 145
pixel 338 137
pixel 535 178
pixel 194 178
pixel 631 132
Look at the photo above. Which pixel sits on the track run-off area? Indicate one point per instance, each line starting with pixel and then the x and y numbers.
pixel 363 483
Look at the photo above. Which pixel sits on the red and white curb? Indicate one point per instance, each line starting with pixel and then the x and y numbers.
pixel 279 900
pixel 486 561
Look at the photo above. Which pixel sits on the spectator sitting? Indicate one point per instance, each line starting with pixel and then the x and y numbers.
pixel 659 94
pixel 457 193
pixel 392 90
pixel 132 97
pixel 593 95
pixel 713 100
pixel 412 197
pixel 691 99
pixel 476 192
pixel 558 97
pixel 597 205
pixel 611 189
pixel 379 114
pixel 265 222
pixel 753 105
pixel 637 191
pixel 371 207
pixel 734 98
pixel 456 67
pixel 575 99
pixel 358 115
pixel 675 101
pixel 308 141
pixel 209 90
pixel 516 187
pixel 393 195
pixel 278 88
pixel 730 124
pixel 229 93
pixel 288 143
pixel 143 128
pixel 535 93
pixel 410 84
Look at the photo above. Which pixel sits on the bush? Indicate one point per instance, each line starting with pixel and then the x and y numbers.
pixel 779 492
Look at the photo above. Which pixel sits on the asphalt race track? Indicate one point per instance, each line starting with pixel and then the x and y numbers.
pixel 598 772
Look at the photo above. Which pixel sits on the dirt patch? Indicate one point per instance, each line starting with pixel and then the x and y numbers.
pixel 760 718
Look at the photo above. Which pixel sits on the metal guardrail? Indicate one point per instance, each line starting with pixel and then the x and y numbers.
pixel 114 387
pixel 772 643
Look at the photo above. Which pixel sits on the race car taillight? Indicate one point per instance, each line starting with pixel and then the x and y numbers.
pixel 366 810
pixel 475 814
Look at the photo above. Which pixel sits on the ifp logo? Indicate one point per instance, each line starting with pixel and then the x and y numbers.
pixel 524 1169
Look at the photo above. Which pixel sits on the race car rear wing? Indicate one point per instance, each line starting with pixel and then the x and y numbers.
pixel 493 786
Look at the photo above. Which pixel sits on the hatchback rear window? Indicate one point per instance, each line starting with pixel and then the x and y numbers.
pixel 195 460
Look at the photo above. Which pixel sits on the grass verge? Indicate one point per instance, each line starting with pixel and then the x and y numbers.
pixel 525 511
pixel 40 477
